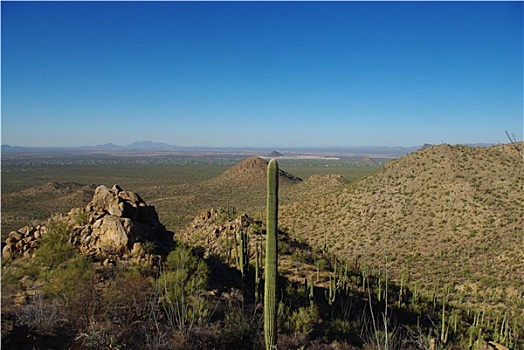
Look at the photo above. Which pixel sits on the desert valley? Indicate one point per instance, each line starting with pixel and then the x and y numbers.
pixel 157 250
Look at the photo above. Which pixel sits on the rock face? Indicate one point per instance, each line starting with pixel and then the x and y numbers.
pixel 114 222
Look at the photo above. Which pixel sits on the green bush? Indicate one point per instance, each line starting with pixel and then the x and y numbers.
pixel 149 247
pixel 81 218
pixel 66 280
pixel 182 288
pixel 55 248
pixel 304 319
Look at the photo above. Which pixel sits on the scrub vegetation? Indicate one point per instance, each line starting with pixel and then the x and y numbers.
pixel 422 252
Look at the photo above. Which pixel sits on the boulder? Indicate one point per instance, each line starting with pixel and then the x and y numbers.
pixel 111 234
pixel 102 199
pixel 7 252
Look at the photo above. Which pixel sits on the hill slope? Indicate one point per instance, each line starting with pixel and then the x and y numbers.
pixel 250 172
pixel 442 214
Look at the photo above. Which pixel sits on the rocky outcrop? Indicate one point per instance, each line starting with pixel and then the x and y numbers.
pixel 23 242
pixel 115 222
pixel 210 229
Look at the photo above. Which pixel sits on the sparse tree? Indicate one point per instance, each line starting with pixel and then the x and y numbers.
pixel 513 141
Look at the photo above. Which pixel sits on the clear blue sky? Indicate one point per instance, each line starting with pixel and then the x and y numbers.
pixel 263 74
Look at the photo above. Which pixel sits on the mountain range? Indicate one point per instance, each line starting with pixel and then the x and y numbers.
pixel 138 145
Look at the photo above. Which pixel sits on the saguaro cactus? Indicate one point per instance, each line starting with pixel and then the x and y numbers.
pixel 258 269
pixel 242 252
pixel 270 305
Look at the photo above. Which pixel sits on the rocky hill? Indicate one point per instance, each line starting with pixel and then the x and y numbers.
pixel 252 172
pixel 445 214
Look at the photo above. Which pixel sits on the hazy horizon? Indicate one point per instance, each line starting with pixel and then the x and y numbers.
pixel 157 145
pixel 262 74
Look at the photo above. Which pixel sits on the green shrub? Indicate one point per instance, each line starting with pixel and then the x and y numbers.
pixel 240 329
pixel 149 247
pixel 182 288
pixel 55 248
pixel 66 281
pixel 304 319
pixel 81 218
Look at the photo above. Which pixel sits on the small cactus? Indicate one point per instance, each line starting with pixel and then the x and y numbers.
pixel 331 292
pixel 312 290
pixel 258 266
pixel 244 252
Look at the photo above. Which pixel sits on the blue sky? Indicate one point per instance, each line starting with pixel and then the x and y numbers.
pixel 266 74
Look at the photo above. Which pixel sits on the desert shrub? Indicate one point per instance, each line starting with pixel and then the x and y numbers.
pixel 240 328
pixel 345 329
pixel 13 272
pixel 96 336
pixel 149 247
pixel 55 247
pixel 256 228
pixel 182 286
pixel 323 264
pixel 301 321
pixel 81 218
pixel 66 280
pixel 130 310
pixel 304 319
pixel 40 316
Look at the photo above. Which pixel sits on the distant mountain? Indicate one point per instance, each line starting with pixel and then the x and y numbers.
pixel 14 149
pixel 275 154
pixel 108 146
pixel 9 148
pixel 149 145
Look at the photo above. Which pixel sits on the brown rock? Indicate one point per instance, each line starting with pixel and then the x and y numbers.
pixel 16 236
pixel 7 252
pixel 103 199
pixel 111 234
pixel 115 208
pixel 11 240
pixel 138 250
pixel 26 230
pixel 19 245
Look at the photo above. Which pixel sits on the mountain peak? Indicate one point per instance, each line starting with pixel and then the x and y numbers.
pixel 275 154
pixel 253 171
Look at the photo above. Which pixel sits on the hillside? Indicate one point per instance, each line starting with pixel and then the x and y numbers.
pixel 314 186
pixel 40 202
pixel 252 172
pixel 445 214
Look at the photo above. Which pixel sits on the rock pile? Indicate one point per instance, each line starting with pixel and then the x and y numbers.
pixel 23 242
pixel 115 222
pixel 210 229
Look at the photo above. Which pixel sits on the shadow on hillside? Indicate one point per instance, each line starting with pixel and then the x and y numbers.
pixel 344 312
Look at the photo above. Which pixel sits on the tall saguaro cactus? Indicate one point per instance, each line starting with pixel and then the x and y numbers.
pixel 270 305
